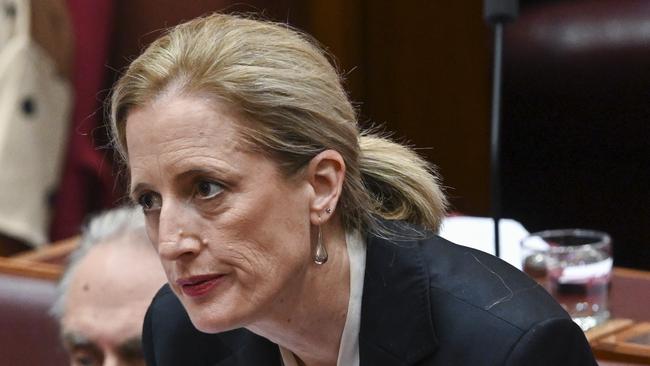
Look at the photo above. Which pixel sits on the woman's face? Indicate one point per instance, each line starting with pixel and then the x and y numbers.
pixel 232 233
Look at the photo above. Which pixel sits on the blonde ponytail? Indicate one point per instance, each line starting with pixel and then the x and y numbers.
pixel 402 185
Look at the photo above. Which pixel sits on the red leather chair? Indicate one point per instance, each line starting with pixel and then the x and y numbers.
pixel 28 334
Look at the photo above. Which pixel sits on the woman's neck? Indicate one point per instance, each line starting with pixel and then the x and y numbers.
pixel 309 321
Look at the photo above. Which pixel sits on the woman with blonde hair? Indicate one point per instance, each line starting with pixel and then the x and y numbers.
pixel 290 237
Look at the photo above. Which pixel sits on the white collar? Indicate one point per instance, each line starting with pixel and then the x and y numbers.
pixel 349 347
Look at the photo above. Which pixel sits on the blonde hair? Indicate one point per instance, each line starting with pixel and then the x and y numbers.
pixel 281 80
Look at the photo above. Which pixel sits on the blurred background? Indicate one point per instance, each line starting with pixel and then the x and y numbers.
pixel 575 149
pixel 575 143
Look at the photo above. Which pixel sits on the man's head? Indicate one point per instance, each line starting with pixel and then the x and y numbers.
pixel 106 289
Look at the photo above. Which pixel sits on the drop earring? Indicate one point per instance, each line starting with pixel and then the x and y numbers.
pixel 320 256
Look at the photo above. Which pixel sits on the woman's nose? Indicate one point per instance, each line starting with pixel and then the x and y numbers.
pixel 176 237
pixel 180 245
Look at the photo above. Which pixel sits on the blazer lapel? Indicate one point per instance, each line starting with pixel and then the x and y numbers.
pixel 396 323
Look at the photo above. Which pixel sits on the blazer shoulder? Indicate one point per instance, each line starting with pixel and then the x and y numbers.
pixel 475 295
pixel 466 307
pixel 552 342
pixel 487 283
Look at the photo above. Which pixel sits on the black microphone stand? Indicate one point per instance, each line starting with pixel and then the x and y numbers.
pixel 497 13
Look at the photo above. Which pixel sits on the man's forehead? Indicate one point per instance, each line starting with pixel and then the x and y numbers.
pixel 94 320
pixel 112 287
pixel 119 271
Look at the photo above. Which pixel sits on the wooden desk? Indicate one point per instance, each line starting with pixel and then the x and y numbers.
pixel 629 297
pixel 47 262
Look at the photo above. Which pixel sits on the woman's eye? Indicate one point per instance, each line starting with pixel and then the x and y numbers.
pixel 150 201
pixel 207 189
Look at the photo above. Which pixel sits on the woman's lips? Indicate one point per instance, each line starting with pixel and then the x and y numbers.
pixel 199 285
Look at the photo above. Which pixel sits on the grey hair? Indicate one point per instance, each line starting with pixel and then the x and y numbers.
pixel 107 225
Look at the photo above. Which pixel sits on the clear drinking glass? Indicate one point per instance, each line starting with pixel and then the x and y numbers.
pixel 575 266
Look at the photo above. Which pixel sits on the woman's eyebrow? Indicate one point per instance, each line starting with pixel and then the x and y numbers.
pixel 217 171
pixel 190 173
pixel 139 187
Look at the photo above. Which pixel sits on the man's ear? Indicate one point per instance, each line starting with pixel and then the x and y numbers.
pixel 325 173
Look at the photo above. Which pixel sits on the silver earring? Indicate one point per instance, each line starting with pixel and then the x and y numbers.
pixel 320 257
pixel 328 210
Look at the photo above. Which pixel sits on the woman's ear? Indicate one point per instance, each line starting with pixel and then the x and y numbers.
pixel 325 173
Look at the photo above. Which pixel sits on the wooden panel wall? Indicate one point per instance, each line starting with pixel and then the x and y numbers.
pixel 421 68
pixel 139 22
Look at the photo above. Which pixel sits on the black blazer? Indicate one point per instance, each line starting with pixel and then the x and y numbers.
pixel 425 302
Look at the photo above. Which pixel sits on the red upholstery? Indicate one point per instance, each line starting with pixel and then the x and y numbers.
pixel 28 334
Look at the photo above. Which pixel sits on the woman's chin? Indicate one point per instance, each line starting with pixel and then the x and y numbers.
pixel 212 322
